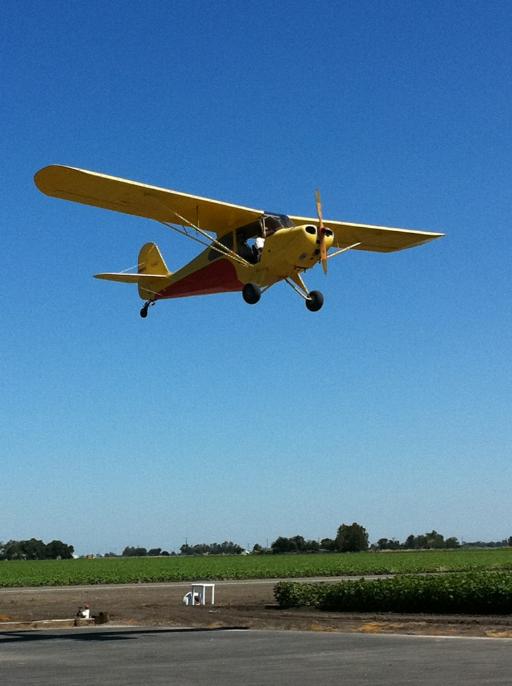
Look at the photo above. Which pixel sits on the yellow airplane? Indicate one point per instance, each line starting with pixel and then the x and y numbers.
pixel 247 250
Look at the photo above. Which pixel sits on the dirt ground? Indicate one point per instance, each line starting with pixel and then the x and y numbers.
pixel 237 604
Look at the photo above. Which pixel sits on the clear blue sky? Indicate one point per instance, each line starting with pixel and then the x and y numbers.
pixel 214 420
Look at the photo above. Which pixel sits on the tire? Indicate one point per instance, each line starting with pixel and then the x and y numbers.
pixel 315 301
pixel 144 312
pixel 251 293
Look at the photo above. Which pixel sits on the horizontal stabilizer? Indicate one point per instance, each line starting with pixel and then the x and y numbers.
pixel 152 276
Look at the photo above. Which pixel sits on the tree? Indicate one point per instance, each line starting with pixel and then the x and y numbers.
pixel 295 544
pixel 351 538
pixel 12 550
pixel 284 545
pixel 388 544
pixel 300 543
pixel 155 552
pixel 312 546
pixel 327 544
pixel 132 551
pixel 226 548
pixel 33 549
pixel 57 550
pixel 452 542
pixel 409 542
pixel 416 542
pixel 431 539
pixel 434 540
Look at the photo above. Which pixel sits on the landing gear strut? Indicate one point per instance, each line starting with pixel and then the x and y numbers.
pixel 145 308
pixel 313 299
pixel 251 293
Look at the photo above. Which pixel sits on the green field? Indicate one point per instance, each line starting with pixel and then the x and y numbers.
pixel 154 569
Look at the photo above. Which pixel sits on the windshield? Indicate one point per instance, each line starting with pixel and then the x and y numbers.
pixel 273 222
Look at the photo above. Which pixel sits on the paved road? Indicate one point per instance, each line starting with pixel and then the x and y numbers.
pixel 130 657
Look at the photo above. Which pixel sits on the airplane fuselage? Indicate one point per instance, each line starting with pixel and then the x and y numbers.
pixel 287 251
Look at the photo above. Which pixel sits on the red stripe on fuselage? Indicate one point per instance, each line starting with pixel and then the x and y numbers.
pixel 217 277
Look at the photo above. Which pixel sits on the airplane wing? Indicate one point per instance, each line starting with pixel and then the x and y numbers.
pixel 131 197
pixel 374 238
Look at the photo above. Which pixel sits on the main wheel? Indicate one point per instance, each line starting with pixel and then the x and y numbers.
pixel 314 301
pixel 251 293
pixel 144 311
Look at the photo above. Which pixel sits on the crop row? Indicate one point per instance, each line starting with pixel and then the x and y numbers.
pixel 179 568
pixel 466 593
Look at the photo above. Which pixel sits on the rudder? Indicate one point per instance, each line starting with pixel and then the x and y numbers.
pixel 151 261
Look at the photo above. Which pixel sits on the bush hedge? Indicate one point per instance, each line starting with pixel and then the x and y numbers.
pixel 463 593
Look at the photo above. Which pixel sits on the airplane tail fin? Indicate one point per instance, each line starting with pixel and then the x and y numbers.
pixel 151 261
pixel 151 276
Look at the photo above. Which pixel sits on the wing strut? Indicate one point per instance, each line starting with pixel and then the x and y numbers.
pixel 338 252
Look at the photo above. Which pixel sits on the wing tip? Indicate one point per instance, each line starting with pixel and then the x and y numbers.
pixel 40 178
pixel 45 177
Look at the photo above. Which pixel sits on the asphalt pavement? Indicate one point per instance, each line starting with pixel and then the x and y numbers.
pixel 132 657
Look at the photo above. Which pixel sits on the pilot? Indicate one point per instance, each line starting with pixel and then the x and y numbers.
pixel 246 251
pixel 259 244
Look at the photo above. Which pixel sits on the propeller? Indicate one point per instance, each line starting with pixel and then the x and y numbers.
pixel 321 232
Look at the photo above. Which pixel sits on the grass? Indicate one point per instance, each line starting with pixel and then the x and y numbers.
pixel 154 569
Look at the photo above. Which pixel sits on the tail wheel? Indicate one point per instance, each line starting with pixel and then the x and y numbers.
pixel 145 308
pixel 314 301
pixel 251 293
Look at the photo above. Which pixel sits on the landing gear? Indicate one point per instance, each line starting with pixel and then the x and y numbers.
pixel 314 301
pixel 145 308
pixel 251 293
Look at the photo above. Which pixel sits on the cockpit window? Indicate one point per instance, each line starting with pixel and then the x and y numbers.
pixel 273 222
pixel 226 240
pixel 245 236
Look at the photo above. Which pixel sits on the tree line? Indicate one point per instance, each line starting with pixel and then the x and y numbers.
pixel 354 538
pixel 134 551
pixel 435 540
pixel 226 548
pixel 349 538
pixel 426 541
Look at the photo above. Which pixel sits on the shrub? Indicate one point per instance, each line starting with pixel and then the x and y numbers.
pixel 473 593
